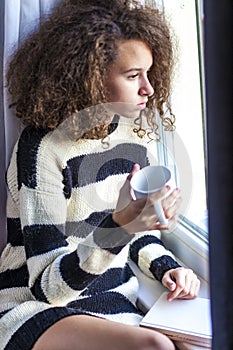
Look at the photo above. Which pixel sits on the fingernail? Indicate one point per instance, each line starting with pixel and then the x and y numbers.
pixel 168 187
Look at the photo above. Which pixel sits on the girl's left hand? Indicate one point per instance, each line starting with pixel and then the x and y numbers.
pixel 139 215
pixel 182 283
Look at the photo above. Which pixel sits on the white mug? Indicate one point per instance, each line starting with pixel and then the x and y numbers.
pixel 151 179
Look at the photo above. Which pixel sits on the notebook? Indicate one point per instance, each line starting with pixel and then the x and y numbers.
pixel 181 320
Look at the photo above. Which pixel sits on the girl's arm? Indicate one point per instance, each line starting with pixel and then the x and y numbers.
pixel 150 255
pixel 146 250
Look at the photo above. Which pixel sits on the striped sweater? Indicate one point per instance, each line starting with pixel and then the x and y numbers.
pixel 64 254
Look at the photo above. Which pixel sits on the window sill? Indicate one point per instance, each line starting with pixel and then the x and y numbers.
pixel 192 250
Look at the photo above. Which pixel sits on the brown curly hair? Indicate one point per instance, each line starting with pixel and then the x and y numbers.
pixel 60 68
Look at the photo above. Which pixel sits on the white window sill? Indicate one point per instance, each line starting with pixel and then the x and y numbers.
pixel 190 249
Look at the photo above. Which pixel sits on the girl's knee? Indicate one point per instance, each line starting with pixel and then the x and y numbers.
pixel 152 340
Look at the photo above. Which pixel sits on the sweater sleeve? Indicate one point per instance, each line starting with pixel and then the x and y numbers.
pixel 151 256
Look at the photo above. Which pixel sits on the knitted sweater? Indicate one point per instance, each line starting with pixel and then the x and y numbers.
pixel 60 258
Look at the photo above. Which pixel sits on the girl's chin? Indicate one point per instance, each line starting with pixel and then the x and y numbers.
pixel 125 109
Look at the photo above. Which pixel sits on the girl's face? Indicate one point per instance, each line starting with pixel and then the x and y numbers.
pixel 127 79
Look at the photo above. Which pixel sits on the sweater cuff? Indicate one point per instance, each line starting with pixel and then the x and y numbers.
pixel 162 264
pixel 110 236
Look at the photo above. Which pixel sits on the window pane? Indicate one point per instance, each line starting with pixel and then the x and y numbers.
pixel 187 144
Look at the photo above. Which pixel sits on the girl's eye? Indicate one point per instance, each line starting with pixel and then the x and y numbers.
pixel 133 76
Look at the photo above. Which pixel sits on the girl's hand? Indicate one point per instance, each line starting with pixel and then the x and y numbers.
pixel 182 283
pixel 171 205
pixel 139 215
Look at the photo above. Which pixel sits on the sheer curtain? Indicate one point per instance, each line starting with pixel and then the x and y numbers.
pixel 17 18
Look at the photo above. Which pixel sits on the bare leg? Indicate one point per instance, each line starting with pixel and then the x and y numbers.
pixel 82 332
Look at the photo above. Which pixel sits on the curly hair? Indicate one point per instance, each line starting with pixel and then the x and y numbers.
pixel 60 68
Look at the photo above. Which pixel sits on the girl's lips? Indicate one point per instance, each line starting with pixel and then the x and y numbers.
pixel 142 105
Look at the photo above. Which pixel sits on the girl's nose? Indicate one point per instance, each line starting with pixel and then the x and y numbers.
pixel 146 89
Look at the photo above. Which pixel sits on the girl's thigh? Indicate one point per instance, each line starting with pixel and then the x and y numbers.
pixel 81 332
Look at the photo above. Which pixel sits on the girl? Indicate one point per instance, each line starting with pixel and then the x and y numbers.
pixel 81 85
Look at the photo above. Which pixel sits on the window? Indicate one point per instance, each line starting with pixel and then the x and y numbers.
pixel 184 151
pixel 186 146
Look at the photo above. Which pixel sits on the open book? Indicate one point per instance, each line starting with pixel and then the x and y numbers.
pixel 181 320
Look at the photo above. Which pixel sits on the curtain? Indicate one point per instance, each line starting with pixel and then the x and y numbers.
pixel 219 88
pixel 17 18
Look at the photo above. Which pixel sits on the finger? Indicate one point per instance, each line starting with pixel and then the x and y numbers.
pixel 158 194
pixel 173 210
pixel 145 212
pixel 168 282
pixel 180 280
pixel 156 226
pixel 172 222
pixel 150 208
pixel 191 287
pixel 171 198
pixel 125 196
pixel 135 168
pixel 174 294
pixel 163 227
pixel 194 288
pixel 186 290
pixel 147 203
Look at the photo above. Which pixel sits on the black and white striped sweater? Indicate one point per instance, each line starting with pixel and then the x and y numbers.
pixel 65 255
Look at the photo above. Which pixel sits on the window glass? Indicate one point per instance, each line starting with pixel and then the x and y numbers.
pixel 186 146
